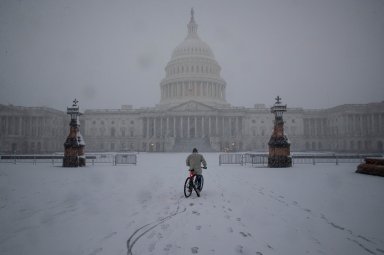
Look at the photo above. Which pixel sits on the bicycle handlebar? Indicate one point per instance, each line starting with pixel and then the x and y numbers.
pixel 204 167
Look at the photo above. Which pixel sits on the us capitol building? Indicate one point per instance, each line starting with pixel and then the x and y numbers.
pixel 193 112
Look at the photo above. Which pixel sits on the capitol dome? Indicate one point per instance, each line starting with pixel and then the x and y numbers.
pixel 193 73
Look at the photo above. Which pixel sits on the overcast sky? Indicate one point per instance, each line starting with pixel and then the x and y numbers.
pixel 107 53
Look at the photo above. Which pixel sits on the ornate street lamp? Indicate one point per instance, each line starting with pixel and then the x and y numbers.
pixel 74 144
pixel 279 146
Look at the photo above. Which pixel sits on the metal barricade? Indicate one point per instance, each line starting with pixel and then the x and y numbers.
pixel 125 159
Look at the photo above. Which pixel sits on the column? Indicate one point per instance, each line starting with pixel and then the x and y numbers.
pixel 223 124
pixel 181 127
pixel 189 127
pixel 241 126
pixel 166 126
pixel 215 119
pixel 161 127
pixel 9 125
pixel 209 126
pixel 236 126
pixel 20 129
pixel 154 127
pixel 202 126
pixel 174 126
pixel 146 128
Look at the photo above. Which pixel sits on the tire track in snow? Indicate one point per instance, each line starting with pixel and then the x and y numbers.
pixel 140 232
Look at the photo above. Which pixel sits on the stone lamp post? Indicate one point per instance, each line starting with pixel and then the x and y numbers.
pixel 279 146
pixel 74 145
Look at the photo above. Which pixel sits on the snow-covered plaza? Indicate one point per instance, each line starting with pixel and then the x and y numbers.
pixel 141 209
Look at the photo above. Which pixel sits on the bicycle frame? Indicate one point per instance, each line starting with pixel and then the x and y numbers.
pixel 190 184
pixel 192 174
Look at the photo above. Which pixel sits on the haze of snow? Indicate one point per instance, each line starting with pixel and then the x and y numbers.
pixel 314 54
pixel 306 209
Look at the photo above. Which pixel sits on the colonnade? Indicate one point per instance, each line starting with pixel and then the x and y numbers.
pixel 192 126
pixel 193 88
pixel 30 134
pixel 363 124
pixel 353 124
pixel 22 125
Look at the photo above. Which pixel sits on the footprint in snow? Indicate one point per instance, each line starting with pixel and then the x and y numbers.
pixel 168 247
pixel 245 234
pixel 198 227
pixel 195 250
pixel 240 249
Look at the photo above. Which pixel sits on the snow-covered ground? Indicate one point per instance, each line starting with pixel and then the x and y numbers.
pixel 127 209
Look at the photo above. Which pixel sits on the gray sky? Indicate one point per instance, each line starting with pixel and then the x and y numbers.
pixel 106 53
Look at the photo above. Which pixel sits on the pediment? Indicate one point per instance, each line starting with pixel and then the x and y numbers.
pixel 191 106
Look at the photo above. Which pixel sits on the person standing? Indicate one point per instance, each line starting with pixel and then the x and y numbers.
pixel 194 161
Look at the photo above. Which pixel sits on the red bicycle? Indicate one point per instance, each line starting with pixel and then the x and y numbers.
pixel 193 182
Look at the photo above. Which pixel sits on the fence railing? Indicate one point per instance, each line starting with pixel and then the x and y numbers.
pixel 54 159
pixel 261 159
pixel 125 159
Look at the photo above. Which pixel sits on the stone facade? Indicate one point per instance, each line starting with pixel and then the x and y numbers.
pixel 31 129
pixel 345 128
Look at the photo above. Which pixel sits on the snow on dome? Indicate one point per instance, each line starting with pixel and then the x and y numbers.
pixel 192 73
pixel 192 45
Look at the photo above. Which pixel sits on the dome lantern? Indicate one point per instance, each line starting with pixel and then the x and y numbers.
pixel 192 26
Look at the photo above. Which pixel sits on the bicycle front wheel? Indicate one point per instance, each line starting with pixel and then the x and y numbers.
pixel 187 187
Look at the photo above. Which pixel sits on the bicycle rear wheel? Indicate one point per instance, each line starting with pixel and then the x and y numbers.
pixel 201 183
pixel 188 187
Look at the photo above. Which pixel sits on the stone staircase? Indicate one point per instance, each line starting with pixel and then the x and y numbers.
pixel 187 144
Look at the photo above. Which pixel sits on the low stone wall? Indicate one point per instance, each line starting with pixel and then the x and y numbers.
pixel 372 166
